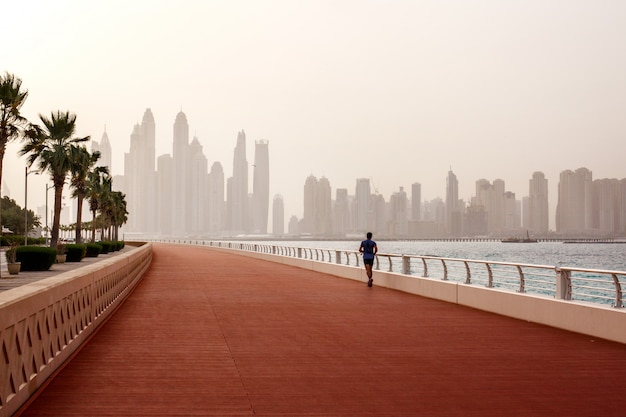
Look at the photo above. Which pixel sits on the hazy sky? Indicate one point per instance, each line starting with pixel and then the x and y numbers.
pixel 395 91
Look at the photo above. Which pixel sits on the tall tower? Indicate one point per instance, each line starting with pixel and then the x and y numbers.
pixel 341 218
pixel 363 196
pixel 399 219
pixel 104 147
pixel 216 198
pixel 573 210
pixel 310 205
pixel 538 216
pixel 453 212
pixel 181 187
pixel 323 208
pixel 416 201
pixel 261 187
pixel 278 216
pixel 165 187
pixel 199 190
pixel 238 193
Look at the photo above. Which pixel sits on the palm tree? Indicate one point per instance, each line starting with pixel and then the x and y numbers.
pixel 51 146
pixel 106 203
pixel 94 195
pixel 82 163
pixel 12 123
pixel 119 213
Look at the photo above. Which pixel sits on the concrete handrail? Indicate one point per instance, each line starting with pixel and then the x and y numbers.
pixel 44 323
pixel 454 280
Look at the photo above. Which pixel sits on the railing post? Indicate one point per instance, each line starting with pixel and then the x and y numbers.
pixel 563 285
pixel 338 257
pixel 299 252
pixel 406 265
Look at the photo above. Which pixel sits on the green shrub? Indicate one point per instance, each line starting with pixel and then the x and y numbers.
pixel 75 252
pixel 36 258
pixel 106 247
pixel 93 250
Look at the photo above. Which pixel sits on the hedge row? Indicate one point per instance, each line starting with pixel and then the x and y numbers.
pixel 36 258
pixel 41 258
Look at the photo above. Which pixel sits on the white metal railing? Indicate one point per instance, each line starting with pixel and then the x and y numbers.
pixel 563 283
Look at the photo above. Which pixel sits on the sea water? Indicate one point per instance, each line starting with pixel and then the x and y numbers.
pixel 605 256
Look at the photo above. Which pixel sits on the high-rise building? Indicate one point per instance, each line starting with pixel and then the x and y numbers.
pixel 398 223
pixel 324 214
pixel 165 187
pixel 104 147
pixel 573 210
pixel 310 205
pixel 216 198
pixel 261 187
pixel 181 187
pixel 363 205
pixel 341 218
pixel 498 213
pixel 538 215
pixel 198 198
pixel 416 201
pixel 454 220
pixel 512 212
pixel 238 188
pixel 278 216
pixel 140 177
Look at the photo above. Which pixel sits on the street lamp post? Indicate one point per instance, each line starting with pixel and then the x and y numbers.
pixel 26 172
pixel 47 228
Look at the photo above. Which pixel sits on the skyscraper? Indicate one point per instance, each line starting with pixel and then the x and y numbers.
pixel 198 198
pixel 180 156
pixel 261 187
pixel 278 216
pixel 140 177
pixel 573 210
pixel 216 198
pixel 416 201
pixel 363 205
pixel 310 205
pixel 238 188
pixel 538 215
pixel 104 147
pixel 323 208
pixel 453 212
pixel 165 187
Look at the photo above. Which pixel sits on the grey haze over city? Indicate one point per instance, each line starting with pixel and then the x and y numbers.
pixel 398 92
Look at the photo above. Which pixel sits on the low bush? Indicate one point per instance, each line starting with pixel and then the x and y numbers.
pixel 36 258
pixel 106 246
pixel 93 250
pixel 75 252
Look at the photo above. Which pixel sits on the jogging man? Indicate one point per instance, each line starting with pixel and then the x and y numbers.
pixel 368 249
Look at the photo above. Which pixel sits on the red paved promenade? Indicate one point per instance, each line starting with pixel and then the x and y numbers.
pixel 214 334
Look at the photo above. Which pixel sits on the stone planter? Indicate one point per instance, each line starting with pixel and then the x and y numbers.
pixel 14 268
pixel 61 258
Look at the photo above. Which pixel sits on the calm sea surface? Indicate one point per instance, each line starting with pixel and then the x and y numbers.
pixel 608 256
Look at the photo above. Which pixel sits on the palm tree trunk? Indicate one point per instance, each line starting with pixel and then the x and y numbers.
pixel 79 219
pixel 56 221
pixel 93 226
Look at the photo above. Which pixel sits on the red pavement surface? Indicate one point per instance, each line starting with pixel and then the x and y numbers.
pixel 214 334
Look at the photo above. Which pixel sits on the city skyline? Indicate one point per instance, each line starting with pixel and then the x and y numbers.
pixel 399 92
pixel 142 154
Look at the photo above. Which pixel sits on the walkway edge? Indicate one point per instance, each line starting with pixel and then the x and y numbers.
pixel 42 324
pixel 579 317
